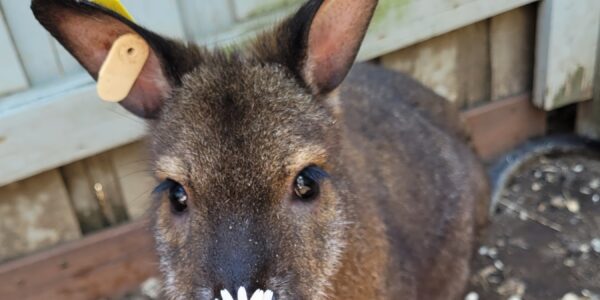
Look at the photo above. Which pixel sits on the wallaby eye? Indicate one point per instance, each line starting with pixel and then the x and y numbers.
pixel 177 195
pixel 178 198
pixel 306 184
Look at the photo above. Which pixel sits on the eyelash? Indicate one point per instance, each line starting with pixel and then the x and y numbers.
pixel 164 186
pixel 315 173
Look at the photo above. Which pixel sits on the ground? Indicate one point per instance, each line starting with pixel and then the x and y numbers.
pixel 544 239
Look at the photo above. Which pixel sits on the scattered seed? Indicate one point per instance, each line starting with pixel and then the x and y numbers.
pixel 577 168
pixel 572 205
pixel 585 190
pixel 557 202
pixel 483 251
pixel 570 296
pixel 595 243
pixel 569 262
pixel 472 296
pixel 584 248
pixel 499 265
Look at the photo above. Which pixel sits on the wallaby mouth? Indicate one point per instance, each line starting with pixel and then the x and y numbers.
pixel 242 295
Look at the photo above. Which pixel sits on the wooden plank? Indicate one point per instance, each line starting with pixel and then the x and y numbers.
pixel 82 197
pixel 33 43
pixel 396 24
pixel 68 64
pixel 161 16
pixel 95 192
pixel 106 187
pixel 455 65
pixel 400 23
pixel 53 126
pixel 12 76
pixel 567 37
pixel 243 31
pixel 433 63
pixel 474 63
pixel 245 9
pixel 512 44
pixel 101 265
pixel 500 126
pixel 201 21
pixel 35 214
pixel 588 113
pixel 132 167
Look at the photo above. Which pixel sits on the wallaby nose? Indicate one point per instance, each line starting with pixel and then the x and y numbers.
pixel 239 260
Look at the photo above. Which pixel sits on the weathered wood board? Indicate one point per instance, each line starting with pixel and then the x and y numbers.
pixel 455 65
pixel 12 75
pixel 245 9
pixel 201 20
pixel 501 125
pixel 34 44
pixel 96 267
pixel 34 214
pixel 106 188
pixel 400 23
pixel 512 47
pixel 396 24
pixel 588 113
pixel 53 126
pixel 161 16
pixel 132 166
pixel 567 38
pixel 82 197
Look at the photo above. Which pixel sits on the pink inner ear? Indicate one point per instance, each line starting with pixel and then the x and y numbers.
pixel 90 37
pixel 334 39
pixel 149 91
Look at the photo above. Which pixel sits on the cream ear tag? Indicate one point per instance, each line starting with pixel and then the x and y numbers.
pixel 122 67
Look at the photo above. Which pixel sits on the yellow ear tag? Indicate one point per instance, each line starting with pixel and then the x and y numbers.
pixel 116 6
pixel 122 67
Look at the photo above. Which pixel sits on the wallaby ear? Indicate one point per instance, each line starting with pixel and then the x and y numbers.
pixel 320 42
pixel 88 31
pixel 334 38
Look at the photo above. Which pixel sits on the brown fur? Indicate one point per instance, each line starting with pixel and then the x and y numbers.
pixel 394 220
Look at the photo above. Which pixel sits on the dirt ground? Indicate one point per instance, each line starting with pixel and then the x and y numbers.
pixel 544 242
pixel 544 239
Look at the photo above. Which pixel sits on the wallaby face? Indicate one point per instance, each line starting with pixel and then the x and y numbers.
pixel 275 178
pixel 239 154
pixel 244 143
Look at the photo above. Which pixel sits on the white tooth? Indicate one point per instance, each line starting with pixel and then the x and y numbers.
pixel 258 295
pixel 242 294
pixel 268 295
pixel 226 295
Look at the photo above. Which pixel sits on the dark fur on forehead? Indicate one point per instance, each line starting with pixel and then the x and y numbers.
pixel 182 58
pixel 231 99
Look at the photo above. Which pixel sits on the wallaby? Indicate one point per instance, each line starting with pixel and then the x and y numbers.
pixel 278 175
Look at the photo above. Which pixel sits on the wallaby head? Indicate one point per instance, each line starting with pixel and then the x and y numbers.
pixel 244 142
